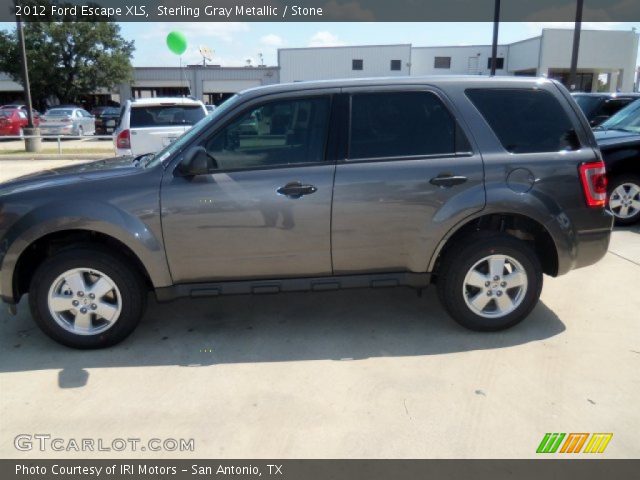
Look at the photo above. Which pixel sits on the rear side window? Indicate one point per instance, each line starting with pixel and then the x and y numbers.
pixel 400 124
pixel 526 121
pixel 165 115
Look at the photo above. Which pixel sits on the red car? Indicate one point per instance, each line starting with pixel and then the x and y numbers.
pixel 14 120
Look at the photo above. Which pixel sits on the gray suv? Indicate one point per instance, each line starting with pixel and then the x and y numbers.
pixel 478 185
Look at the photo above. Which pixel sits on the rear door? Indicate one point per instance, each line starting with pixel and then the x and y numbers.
pixel 410 175
pixel 153 127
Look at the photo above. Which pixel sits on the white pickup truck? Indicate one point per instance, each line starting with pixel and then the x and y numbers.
pixel 147 125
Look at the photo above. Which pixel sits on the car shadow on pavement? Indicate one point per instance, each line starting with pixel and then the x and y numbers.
pixel 340 326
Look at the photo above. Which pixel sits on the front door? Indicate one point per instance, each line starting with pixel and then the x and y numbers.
pixel 410 176
pixel 264 211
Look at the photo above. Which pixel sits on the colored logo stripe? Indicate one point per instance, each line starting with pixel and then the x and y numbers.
pixel 550 443
pixel 574 442
pixel 598 442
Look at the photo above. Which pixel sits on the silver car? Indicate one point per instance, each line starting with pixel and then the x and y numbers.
pixel 67 121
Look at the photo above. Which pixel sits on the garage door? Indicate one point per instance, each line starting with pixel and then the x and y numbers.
pixel 228 86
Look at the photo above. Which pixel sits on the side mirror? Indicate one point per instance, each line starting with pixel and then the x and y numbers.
pixel 197 161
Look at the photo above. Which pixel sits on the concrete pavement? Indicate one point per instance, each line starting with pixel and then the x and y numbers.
pixel 349 374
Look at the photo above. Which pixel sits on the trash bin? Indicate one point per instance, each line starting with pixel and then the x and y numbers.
pixel 32 144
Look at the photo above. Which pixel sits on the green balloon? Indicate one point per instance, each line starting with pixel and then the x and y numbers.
pixel 177 42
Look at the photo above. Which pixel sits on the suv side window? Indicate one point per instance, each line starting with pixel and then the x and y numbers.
pixel 526 120
pixel 400 124
pixel 280 132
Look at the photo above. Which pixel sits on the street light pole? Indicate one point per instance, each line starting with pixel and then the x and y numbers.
pixel 576 46
pixel 25 72
pixel 494 45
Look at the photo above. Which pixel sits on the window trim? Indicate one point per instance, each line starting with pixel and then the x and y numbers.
pixel 420 89
pixel 498 67
pixel 252 104
pixel 435 59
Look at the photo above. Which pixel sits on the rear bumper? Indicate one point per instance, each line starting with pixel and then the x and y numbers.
pixel 592 246
pixel 56 131
pixel 124 152
pixel 581 247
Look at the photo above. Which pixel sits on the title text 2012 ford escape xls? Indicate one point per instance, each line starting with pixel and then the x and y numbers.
pixel 480 185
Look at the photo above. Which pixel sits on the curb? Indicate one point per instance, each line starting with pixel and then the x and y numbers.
pixel 56 156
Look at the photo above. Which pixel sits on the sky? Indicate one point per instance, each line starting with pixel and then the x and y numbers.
pixel 234 43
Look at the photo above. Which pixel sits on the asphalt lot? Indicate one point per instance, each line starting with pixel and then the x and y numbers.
pixel 350 374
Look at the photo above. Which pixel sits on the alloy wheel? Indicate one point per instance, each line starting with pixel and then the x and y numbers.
pixel 495 286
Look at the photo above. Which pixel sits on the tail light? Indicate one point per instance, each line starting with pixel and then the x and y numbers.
pixel 123 140
pixel 594 183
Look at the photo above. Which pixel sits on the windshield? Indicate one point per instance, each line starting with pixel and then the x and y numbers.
pixel 587 103
pixel 166 115
pixel 110 111
pixel 186 137
pixel 627 119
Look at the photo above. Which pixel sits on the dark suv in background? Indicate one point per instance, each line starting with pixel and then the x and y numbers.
pixel 479 185
pixel 599 107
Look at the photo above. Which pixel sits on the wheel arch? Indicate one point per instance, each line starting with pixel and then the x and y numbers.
pixel 46 245
pixel 520 226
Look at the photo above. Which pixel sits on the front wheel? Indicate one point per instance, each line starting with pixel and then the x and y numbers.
pixel 624 198
pixel 490 282
pixel 80 132
pixel 86 298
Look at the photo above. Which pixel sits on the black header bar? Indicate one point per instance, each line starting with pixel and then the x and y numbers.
pixel 316 10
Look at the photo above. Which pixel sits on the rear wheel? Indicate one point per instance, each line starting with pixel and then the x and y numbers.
pixel 86 298
pixel 624 198
pixel 490 282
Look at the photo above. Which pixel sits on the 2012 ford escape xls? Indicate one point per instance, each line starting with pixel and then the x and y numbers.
pixel 479 185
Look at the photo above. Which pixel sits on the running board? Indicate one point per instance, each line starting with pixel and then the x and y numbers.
pixel 313 284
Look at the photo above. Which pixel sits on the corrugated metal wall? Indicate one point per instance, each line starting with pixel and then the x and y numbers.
pixel 299 64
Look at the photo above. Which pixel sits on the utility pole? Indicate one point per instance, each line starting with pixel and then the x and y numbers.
pixel 494 45
pixel 576 46
pixel 32 141
pixel 25 72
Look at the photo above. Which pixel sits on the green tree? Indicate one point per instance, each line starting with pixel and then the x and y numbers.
pixel 68 59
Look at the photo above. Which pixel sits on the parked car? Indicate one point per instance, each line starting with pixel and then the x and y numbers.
pixel 36 114
pixel 107 120
pixel 14 120
pixel 479 185
pixel 619 142
pixel 147 125
pixel 598 107
pixel 67 121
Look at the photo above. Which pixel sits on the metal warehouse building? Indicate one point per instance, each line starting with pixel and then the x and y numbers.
pixel 607 62
pixel 211 84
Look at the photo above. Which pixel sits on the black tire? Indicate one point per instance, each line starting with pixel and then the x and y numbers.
pixel 459 259
pixel 129 282
pixel 616 182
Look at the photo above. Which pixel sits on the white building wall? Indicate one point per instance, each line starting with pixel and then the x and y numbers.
pixel 524 55
pixel 600 50
pixel 323 63
pixel 465 60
